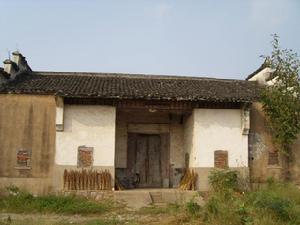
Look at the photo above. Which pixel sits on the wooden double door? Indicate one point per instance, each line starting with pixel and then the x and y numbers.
pixel 147 158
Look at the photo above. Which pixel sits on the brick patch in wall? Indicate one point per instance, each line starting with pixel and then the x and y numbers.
pixel 273 158
pixel 85 156
pixel 23 159
pixel 221 159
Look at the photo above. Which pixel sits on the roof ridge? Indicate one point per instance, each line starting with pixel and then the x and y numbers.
pixel 135 75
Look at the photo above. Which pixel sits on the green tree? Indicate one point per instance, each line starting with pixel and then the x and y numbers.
pixel 281 101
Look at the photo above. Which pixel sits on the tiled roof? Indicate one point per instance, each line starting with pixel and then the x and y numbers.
pixel 133 86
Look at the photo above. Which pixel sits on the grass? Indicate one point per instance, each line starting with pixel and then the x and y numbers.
pixel 24 202
pixel 281 201
pixel 62 222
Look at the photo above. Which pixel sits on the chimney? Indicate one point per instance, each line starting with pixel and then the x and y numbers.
pixel 17 65
pixel 11 68
pixel 20 60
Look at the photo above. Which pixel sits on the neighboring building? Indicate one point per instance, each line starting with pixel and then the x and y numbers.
pixel 265 159
pixel 138 127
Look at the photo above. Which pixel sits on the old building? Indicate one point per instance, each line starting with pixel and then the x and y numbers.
pixel 265 159
pixel 145 130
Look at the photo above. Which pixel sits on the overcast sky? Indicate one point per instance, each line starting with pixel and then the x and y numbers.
pixel 199 38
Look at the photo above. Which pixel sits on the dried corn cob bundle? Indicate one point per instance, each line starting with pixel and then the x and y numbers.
pixel 109 178
pixel 188 181
pixel 65 178
pixel 76 179
pixel 94 180
pixel 73 180
pixel 69 180
pixel 80 181
pixel 87 180
pixel 102 181
pixel 97 181
pixel 118 185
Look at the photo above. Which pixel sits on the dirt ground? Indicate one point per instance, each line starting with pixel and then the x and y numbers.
pixel 154 216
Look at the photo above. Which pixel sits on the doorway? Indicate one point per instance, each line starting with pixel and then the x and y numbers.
pixel 147 159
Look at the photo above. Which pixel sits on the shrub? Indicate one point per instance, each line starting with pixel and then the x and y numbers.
pixel 226 209
pixel 193 208
pixel 224 180
pixel 225 205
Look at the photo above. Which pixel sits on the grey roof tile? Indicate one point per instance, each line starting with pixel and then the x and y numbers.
pixel 133 86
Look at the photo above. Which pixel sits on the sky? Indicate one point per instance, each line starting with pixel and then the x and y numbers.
pixel 207 38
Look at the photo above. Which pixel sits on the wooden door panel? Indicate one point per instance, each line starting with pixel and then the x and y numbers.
pixel 154 155
pixel 131 153
pixel 165 159
pixel 141 157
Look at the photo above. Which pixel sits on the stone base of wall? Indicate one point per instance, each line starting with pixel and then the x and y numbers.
pixel 94 195
pixel 37 186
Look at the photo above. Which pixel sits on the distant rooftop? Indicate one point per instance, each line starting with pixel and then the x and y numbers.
pixel 262 67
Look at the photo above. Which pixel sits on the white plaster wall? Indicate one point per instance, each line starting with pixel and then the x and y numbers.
pixel 59 111
pixel 92 126
pixel 219 129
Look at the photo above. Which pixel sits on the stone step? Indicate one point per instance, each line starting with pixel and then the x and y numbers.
pixel 138 198
pixel 160 204
pixel 156 197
